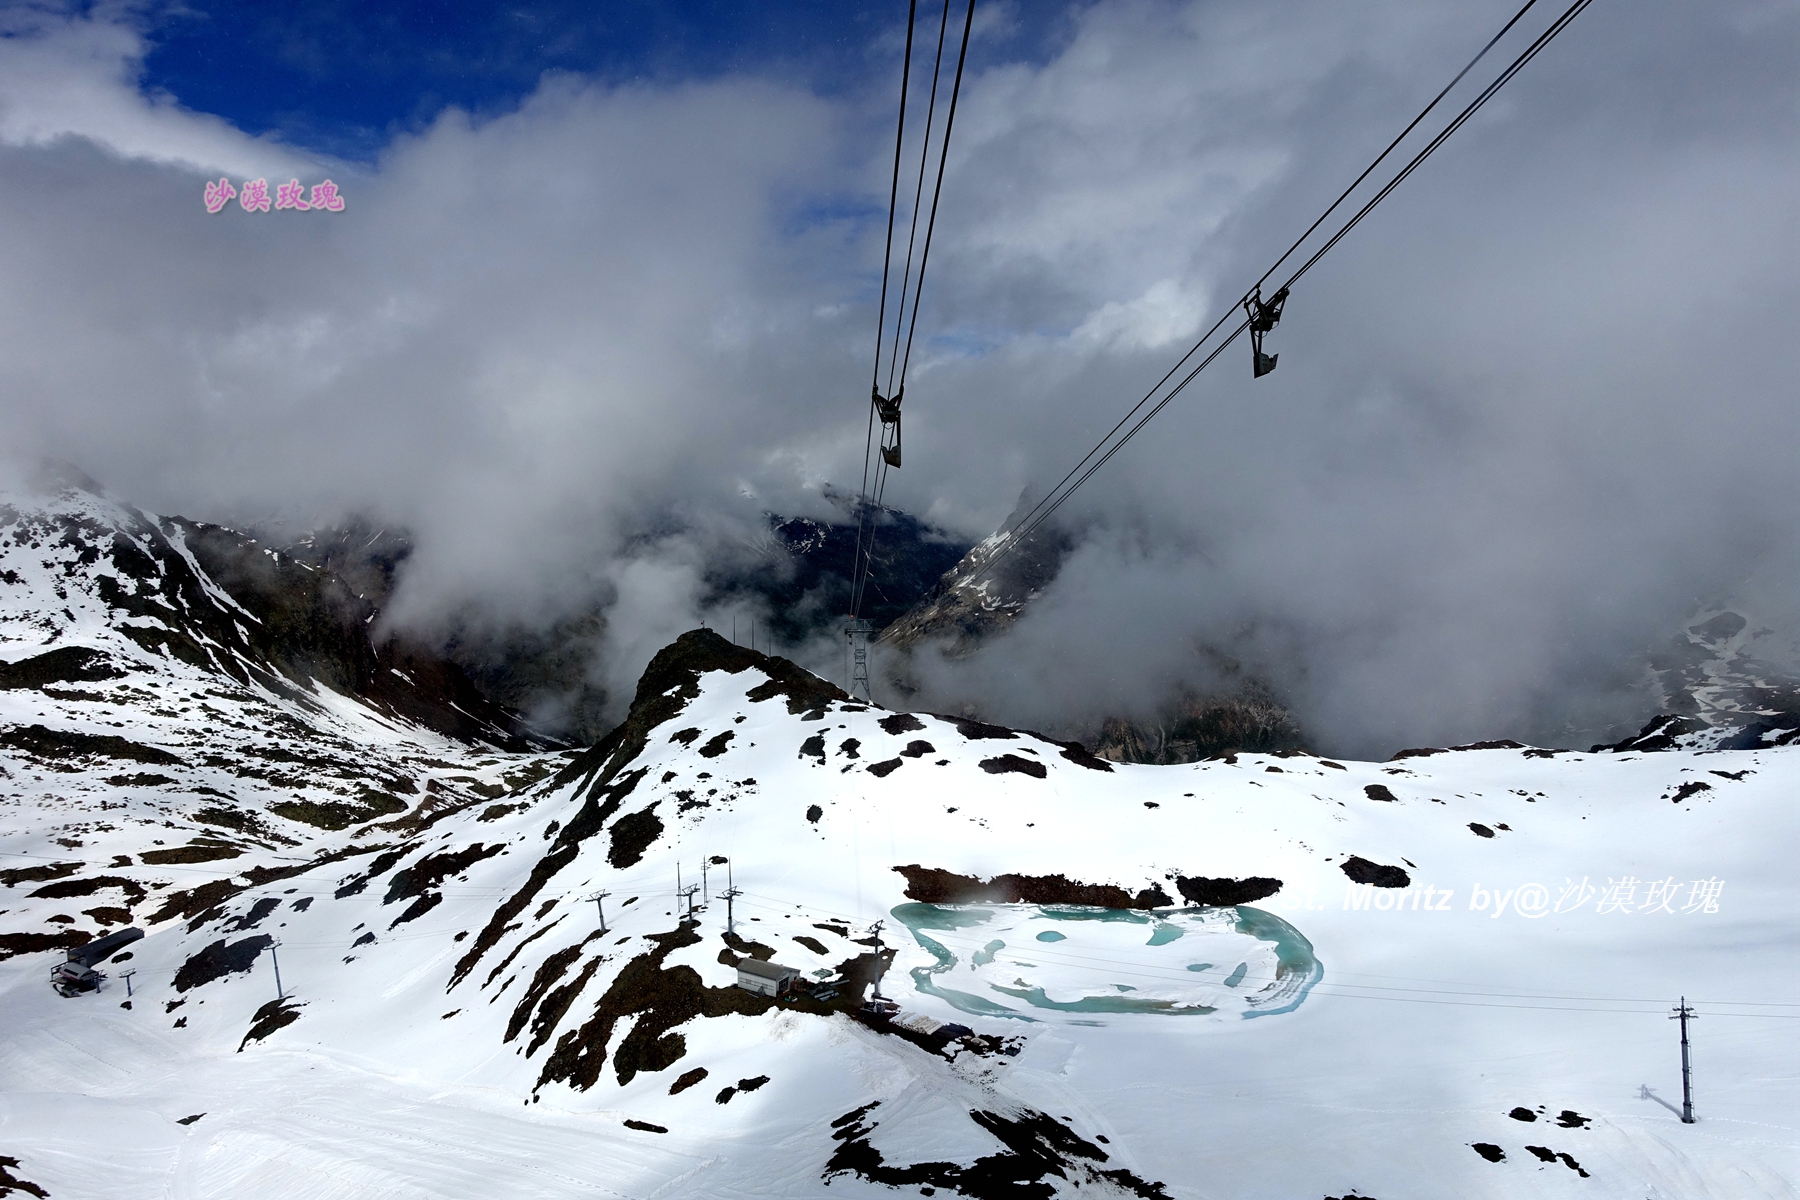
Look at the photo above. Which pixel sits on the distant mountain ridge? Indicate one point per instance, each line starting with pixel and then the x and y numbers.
pixel 795 573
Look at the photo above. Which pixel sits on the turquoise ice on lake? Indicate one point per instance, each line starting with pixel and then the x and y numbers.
pixel 1228 962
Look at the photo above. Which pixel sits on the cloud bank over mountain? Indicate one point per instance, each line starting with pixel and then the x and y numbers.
pixel 1528 417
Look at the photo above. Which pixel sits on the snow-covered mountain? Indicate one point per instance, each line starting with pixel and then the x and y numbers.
pixel 1259 975
pixel 1726 672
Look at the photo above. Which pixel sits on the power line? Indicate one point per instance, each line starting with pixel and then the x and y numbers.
pixel 1058 495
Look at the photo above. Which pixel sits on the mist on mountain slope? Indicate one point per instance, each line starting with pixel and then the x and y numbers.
pixel 1528 419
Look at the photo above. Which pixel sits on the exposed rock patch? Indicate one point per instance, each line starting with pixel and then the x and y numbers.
pixel 1037 1146
pixel 41 742
pixel 934 886
pixel 1361 870
pixel 10 1183
pixel 632 835
pixel 1225 893
pixel 1663 733
pixel 1692 788
pixel 68 888
pixel 1014 764
pixel 276 1014
pixel 30 943
pixel 219 960
pixel 66 664
pixel 661 1000
pixel 18 875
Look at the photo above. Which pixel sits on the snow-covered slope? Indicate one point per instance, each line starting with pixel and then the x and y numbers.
pixel 1253 976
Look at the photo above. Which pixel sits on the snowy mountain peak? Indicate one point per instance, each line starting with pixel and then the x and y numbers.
pixel 547 973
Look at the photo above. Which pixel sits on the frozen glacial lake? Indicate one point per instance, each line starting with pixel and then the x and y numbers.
pixel 1080 965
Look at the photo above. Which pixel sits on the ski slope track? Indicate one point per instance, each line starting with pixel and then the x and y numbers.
pixel 1252 976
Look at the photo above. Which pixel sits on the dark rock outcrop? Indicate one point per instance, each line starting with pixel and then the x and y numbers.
pixel 1361 870
pixel 932 885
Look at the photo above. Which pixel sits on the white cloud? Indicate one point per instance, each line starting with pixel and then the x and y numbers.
pixel 70 74
pixel 1505 443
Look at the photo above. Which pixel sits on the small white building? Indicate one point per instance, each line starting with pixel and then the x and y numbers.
pixel 765 978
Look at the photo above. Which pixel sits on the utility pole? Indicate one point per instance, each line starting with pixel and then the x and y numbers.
pixel 276 959
pixel 730 893
pixel 600 907
pixel 705 862
pixel 127 977
pixel 1684 1014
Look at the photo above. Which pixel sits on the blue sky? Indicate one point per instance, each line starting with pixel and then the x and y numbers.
pixel 341 77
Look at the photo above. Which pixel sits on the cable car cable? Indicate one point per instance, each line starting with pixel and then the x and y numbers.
pixel 1379 158
pixel 864 564
pixel 937 69
pixel 1045 508
pixel 938 189
pixel 894 186
pixel 886 266
pixel 1048 497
